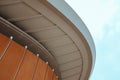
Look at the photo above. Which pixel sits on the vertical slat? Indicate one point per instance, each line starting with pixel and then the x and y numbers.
pixel 49 74
pixel 3 43
pixel 54 77
pixel 40 70
pixel 10 61
pixel 20 63
pixel 35 66
pixel 27 67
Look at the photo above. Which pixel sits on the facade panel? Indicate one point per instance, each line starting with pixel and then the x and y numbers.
pixel 3 43
pixel 26 71
pixel 40 70
pixel 54 77
pixel 20 64
pixel 10 61
pixel 49 74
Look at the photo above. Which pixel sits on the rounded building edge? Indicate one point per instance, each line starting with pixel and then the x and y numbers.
pixel 71 15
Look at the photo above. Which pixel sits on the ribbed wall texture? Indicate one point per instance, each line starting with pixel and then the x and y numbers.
pixel 18 63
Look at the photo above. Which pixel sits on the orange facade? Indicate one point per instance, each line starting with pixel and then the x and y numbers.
pixel 18 63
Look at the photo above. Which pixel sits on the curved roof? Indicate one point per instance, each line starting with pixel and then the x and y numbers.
pixel 58 29
pixel 76 20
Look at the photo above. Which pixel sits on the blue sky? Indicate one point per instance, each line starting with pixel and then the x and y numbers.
pixel 102 18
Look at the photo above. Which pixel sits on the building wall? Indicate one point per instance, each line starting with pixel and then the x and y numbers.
pixel 18 63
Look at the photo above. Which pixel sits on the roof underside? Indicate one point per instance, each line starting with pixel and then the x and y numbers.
pixel 56 35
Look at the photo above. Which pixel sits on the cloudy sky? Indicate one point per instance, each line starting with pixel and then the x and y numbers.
pixel 102 18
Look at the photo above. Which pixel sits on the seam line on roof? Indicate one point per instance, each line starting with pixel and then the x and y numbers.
pixel 73 52
pixel 71 68
pixel 35 9
pixel 35 30
pixel 71 75
pixel 70 61
pixel 56 47
pixel 24 18
pixel 52 38
pixel 6 3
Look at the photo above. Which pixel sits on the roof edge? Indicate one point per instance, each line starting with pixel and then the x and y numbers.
pixel 71 15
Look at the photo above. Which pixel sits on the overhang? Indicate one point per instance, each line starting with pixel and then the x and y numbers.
pixel 55 27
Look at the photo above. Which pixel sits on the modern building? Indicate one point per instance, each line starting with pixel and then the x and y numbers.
pixel 43 40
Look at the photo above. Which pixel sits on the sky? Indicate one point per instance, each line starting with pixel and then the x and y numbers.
pixel 102 17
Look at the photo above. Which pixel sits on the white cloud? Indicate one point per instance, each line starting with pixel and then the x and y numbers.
pixel 114 26
pixel 95 14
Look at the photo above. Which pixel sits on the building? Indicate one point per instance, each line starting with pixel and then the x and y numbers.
pixel 48 41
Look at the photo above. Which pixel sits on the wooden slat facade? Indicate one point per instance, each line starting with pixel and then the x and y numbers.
pixel 3 43
pixel 40 70
pixel 10 61
pixel 19 63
